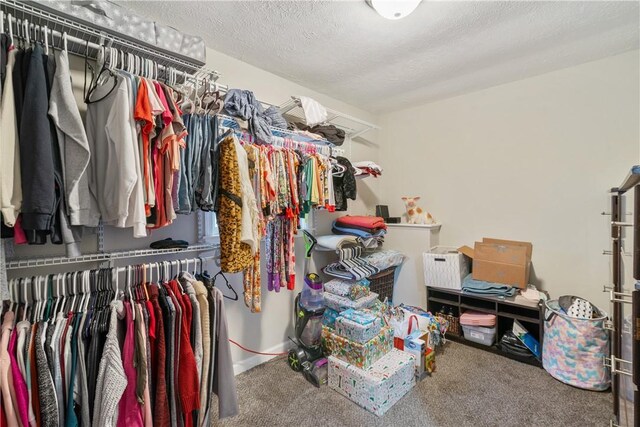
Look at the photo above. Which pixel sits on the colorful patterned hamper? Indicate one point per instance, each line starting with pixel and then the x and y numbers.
pixel 574 349
pixel 355 353
pixel 380 386
pixel 358 325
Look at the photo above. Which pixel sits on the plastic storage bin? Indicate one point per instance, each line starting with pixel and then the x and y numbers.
pixel 480 334
pixel 444 267
pixel 475 318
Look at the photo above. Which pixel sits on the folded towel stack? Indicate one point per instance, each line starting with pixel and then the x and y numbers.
pixel 369 230
pixel 480 287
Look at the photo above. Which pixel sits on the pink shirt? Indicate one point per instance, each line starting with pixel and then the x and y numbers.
pixel 129 409
pixel 20 386
pixel 6 379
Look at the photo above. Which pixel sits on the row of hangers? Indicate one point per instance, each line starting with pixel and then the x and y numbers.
pixel 199 90
pixel 303 147
pixel 40 298
pixel 27 33
pixel 198 93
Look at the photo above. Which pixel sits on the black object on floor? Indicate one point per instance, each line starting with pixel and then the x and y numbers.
pixel 169 243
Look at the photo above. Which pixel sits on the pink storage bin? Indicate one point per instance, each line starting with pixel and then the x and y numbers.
pixel 474 318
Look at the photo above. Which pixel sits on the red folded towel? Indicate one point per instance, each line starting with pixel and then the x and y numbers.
pixel 361 221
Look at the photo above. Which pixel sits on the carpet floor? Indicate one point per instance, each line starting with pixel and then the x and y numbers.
pixel 470 387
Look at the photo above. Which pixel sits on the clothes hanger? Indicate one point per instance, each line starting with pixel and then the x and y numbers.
pixel 25 30
pixel 128 287
pixel 10 25
pixel 97 80
pixel 45 31
pixel 37 297
pixel 24 299
pixel 215 277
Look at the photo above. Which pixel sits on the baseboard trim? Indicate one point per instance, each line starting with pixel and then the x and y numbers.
pixel 258 359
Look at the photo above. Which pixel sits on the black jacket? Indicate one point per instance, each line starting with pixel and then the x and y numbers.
pixel 36 149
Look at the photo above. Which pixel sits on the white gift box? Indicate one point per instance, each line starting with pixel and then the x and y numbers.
pixel 378 387
pixel 355 331
pixel 338 303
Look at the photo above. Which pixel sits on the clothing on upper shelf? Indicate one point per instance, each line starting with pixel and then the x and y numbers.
pixel 160 356
pixel 367 168
pixel 314 112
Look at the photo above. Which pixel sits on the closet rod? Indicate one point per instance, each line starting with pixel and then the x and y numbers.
pixel 160 268
pixel 45 262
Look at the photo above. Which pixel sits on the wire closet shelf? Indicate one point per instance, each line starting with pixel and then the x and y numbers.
pixel 80 37
pixel 107 256
pixel 292 110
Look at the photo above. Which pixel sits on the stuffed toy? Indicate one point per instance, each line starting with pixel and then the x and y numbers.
pixel 415 214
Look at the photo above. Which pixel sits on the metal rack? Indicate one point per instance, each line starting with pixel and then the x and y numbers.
pixel 81 36
pixel 623 414
pixel 352 126
pixel 322 145
pixel 102 257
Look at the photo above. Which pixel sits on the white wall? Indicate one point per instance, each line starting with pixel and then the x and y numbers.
pixel 530 160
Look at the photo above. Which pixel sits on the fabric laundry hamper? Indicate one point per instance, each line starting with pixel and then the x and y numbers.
pixel 574 349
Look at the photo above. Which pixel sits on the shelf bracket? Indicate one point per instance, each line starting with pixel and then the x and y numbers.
pixel 615 363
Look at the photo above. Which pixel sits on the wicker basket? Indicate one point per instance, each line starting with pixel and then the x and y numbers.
pixel 454 324
pixel 382 283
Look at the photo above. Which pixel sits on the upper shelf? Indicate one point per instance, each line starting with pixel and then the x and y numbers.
pixel 80 35
pixel 107 256
pixel 435 226
pixel 352 126
pixel 632 179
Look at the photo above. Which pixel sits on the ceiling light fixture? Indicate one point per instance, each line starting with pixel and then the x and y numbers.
pixel 393 9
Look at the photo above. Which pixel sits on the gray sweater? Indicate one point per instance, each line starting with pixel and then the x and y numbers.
pixel 81 205
pixel 112 380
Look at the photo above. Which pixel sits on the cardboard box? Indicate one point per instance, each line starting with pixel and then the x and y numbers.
pixel 357 328
pixel 501 261
pixel 377 388
pixel 339 303
pixel 415 344
pixel 361 355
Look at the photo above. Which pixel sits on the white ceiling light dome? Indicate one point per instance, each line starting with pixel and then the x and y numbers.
pixel 394 9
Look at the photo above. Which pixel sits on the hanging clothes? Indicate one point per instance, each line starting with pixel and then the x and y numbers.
pixel 73 145
pixel 39 203
pixel 155 355
pixel 235 255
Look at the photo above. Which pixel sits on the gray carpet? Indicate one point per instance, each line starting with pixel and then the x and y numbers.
pixel 470 387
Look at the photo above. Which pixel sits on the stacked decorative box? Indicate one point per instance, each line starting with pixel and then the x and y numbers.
pixel 363 365
pixel 378 387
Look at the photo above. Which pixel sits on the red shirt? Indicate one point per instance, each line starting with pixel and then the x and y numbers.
pixel 188 379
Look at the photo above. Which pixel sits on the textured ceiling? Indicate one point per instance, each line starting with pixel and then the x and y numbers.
pixel 345 50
